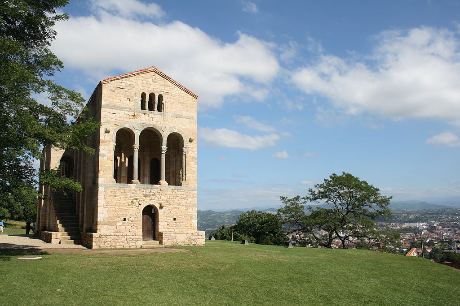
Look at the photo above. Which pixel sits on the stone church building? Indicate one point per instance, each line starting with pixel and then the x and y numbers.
pixel 140 186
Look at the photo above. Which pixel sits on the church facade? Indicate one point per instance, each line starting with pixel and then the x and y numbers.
pixel 139 188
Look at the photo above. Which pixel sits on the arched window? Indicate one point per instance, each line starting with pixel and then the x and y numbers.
pixel 143 101
pixel 151 102
pixel 123 155
pixel 150 154
pixel 160 106
pixel 66 166
pixel 174 154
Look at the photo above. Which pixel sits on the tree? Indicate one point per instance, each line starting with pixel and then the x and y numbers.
pixel 261 227
pixel 225 233
pixel 347 209
pixel 27 125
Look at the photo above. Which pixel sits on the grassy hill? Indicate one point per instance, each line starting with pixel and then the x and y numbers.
pixel 228 273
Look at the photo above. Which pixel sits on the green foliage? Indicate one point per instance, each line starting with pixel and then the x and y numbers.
pixel 27 66
pixel 54 179
pixel 225 233
pixel 261 227
pixel 439 254
pixel 345 209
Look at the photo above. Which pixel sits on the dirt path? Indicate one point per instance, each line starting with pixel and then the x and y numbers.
pixel 11 243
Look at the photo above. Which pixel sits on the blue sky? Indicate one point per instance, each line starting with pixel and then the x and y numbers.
pixel 292 91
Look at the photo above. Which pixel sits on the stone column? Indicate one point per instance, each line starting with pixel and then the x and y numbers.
pixel 115 159
pixel 184 164
pixel 163 165
pixel 136 164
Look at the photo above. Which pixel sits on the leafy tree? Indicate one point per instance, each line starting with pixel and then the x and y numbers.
pixel 261 227
pixel 27 67
pixel 225 233
pixel 347 209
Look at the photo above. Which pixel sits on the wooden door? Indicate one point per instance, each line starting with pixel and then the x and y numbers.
pixel 148 223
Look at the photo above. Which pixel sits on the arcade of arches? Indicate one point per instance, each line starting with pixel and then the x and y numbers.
pixel 145 160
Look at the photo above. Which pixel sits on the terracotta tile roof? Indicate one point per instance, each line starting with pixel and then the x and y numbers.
pixel 147 70
pixel 412 252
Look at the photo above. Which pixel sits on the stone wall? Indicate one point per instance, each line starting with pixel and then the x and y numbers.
pixel 120 215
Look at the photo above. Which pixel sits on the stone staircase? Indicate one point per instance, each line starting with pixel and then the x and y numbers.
pixel 150 244
pixel 67 219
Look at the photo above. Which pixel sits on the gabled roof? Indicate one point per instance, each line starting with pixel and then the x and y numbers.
pixel 412 252
pixel 147 70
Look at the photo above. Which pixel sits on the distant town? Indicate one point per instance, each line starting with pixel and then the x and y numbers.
pixel 421 231
pixel 426 229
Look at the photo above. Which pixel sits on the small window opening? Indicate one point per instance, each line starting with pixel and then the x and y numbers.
pixel 143 100
pixel 160 106
pixel 151 102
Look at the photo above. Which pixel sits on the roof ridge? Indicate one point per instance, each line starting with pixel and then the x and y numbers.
pixel 147 70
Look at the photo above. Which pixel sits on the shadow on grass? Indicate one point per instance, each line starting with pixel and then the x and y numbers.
pixel 10 250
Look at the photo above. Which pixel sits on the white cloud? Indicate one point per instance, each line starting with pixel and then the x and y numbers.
pixel 254 124
pixel 281 154
pixel 128 8
pixel 250 7
pixel 445 139
pixel 233 139
pixel 108 42
pixel 411 74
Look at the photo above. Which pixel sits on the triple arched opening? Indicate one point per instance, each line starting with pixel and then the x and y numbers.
pixel 153 103
pixel 150 154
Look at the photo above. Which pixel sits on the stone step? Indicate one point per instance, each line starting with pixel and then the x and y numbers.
pixel 68 236
pixel 70 241
pixel 150 244
pixel 69 229
pixel 73 238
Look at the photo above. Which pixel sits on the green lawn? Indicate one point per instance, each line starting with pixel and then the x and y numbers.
pixel 229 273
pixel 14 228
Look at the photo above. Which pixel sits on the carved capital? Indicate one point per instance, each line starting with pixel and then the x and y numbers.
pixel 164 149
pixel 185 150
pixel 136 147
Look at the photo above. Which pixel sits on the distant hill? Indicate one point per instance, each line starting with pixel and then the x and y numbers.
pixel 210 219
pixel 416 205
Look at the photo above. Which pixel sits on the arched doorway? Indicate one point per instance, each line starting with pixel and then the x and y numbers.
pixel 149 223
